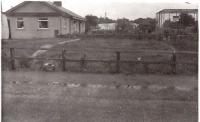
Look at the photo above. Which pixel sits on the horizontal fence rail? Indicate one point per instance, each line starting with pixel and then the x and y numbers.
pixel 108 50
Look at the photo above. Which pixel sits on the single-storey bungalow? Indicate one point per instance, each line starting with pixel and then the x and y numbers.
pixel 43 19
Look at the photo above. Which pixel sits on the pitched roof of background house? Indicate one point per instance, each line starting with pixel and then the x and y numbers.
pixel 177 10
pixel 65 10
pixel 59 9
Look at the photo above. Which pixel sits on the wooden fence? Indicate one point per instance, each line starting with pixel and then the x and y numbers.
pixel 172 62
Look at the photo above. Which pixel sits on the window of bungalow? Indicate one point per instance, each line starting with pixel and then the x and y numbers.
pixel 20 23
pixel 43 23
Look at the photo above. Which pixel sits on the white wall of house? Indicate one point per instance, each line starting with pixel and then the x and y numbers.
pixel 77 26
pixel 82 25
pixel 65 23
pixel 107 26
pixel 31 28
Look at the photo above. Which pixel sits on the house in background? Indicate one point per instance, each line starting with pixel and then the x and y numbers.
pixel 107 26
pixel 43 19
pixel 173 15
pixel 134 24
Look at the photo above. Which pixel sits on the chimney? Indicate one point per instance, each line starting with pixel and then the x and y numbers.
pixel 57 3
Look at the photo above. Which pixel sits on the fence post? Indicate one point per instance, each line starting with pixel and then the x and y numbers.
pixel 12 61
pixel 118 62
pixel 173 62
pixel 83 63
pixel 63 59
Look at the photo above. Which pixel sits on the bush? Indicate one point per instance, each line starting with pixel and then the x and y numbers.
pixel 24 62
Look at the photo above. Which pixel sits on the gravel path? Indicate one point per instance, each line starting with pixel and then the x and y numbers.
pixel 49 46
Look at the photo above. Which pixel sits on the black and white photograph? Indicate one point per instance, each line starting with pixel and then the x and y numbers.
pixel 99 61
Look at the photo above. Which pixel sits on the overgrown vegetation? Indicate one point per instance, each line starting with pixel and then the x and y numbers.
pixel 146 25
pixel 123 25
pixel 186 24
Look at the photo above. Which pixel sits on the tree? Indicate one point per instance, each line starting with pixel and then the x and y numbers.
pixel 146 25
pixel 186 20
pixel 105 20
pixel 195 27
pixel 123 25
pixel 91 22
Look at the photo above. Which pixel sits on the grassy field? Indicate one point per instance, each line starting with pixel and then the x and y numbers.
pixel 99 48
pixel 184 44
pixel 88 45
pixel 40 97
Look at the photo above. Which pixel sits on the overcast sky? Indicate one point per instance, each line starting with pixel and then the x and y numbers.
pixel 131 9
